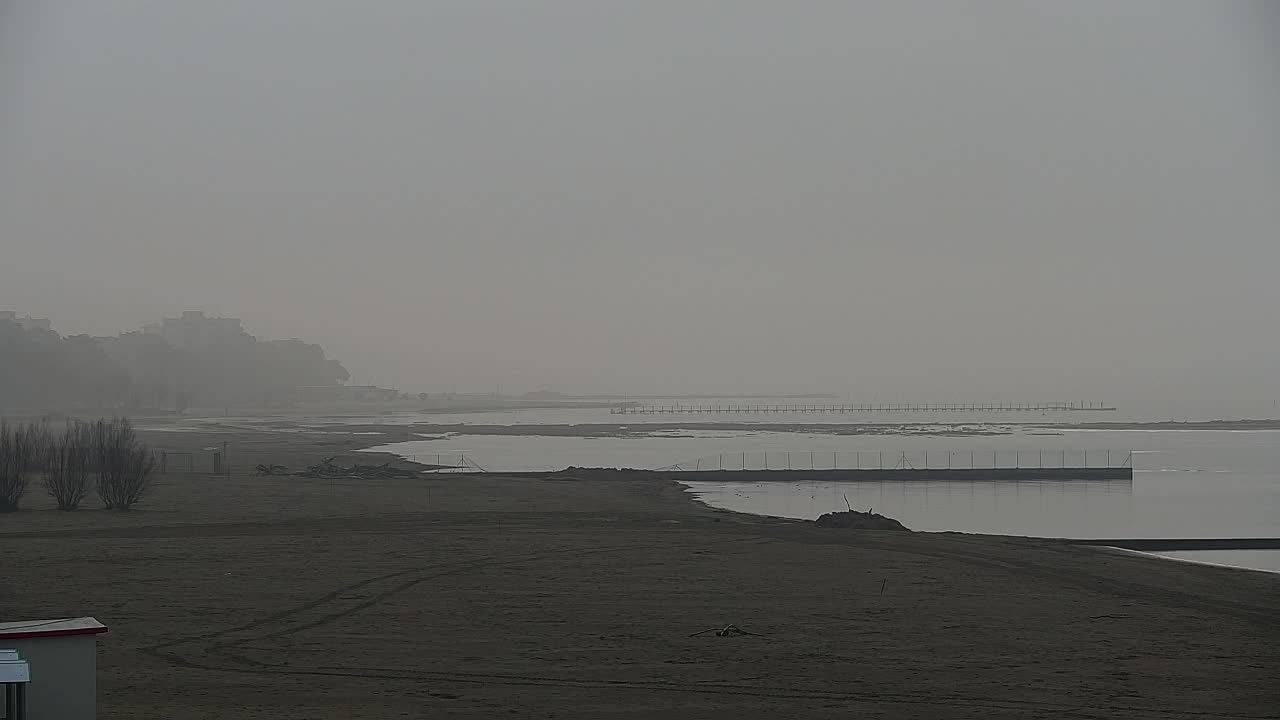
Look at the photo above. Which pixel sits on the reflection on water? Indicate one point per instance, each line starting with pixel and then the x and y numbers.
pixel 1191 483
pixel 1049 509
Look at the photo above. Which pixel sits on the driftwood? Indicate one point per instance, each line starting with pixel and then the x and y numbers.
pixel 328 469
pixel 854 520
pixel 727 631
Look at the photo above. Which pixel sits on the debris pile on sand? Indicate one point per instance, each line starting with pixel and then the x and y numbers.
pixel 328 469
pixel 855 520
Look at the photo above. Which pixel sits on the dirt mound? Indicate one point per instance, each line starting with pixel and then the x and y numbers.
pixel 855 520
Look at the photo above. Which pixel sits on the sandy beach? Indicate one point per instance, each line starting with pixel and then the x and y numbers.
pixel 487 596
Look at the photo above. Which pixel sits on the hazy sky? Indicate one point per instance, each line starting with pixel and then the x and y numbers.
pixel 893 199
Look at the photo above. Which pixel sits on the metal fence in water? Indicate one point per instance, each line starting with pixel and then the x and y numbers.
pixel 909 460
pixel 765 408
pixel 447 462
pixel 856 460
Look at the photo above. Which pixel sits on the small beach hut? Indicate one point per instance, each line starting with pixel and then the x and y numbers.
pixel 60 661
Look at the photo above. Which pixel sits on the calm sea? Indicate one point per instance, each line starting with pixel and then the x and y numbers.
pixel 1187 483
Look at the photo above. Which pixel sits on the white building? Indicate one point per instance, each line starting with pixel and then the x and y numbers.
pixel 62 659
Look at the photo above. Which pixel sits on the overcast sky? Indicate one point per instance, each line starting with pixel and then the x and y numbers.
pixel 892 199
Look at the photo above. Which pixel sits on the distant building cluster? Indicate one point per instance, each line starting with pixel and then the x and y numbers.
pixel 26 322
pixel 195 331
pixel 347 393
pixel 192 360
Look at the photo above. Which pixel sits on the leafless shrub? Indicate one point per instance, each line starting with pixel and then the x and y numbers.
pixel 22 446
pixel 125 466
pixel 68 465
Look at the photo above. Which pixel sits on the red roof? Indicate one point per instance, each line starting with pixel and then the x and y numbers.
pixel 50 628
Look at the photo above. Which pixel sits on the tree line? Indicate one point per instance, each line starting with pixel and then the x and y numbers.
pixel 40 369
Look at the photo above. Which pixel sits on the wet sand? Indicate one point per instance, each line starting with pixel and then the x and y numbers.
pixel 673 429
pixel 484 596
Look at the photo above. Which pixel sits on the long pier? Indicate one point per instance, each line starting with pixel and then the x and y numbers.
pixel 1004 474
pixel 758 408
pixel 1000 474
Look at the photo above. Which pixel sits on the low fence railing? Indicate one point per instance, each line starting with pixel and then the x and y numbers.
pixel 909 460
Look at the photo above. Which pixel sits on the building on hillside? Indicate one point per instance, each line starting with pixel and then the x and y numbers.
pixel 26 322
pixel 196 331
pixel 62 660
pixel 344 393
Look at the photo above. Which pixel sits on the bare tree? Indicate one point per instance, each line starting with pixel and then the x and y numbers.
pixel 22 446
pixel 125 466
pixel 68 465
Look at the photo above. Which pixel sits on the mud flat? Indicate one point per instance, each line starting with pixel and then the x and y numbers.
pixel 666 429
pixel 481 596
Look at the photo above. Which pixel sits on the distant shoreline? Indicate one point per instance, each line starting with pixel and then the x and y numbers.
pixel 1166 425
pixel 417 430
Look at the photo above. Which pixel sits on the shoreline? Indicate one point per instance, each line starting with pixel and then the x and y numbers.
pixel 472 596
pixel 355 422
pixel 1156 545
pixel 1158 556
